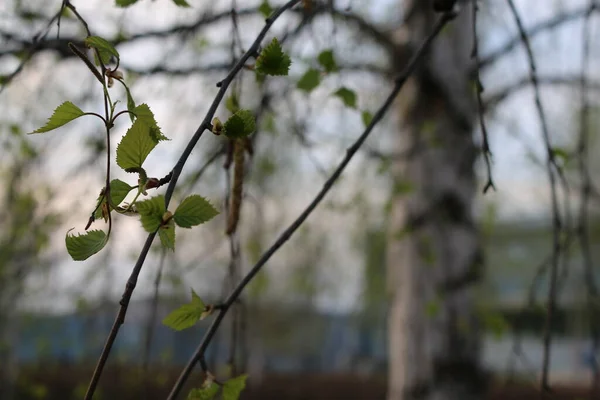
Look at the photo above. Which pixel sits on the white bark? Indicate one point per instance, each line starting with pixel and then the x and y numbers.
pixel 433 335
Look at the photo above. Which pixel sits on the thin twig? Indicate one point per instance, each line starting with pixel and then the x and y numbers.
pixel 37 42
pixel 552 169
pixel 285 236
pixel 583 229
pixel 153 312
pixel 540 27
pixel 487 153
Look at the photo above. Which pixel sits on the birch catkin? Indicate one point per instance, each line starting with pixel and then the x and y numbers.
pixel 236 190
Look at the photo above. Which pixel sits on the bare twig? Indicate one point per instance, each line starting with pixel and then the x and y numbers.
pixel 583 229
pixel 541 27
pixel 151 321
pixel 553 169
pixel 36 43
pixel 487 153
pixel 524 82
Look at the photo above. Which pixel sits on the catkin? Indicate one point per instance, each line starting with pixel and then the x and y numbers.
pixel 236 190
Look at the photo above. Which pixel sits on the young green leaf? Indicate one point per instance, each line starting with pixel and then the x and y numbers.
pixel 140 139
pixel 125 3
pixel 560 154
pixel 145 115
pixel 495 323
pixel 327 61
pixel 104 47
pixel 232 104
pixel 166 233
pixel 135 146
pixel 347 95
pixel 265 9
pixel 118 191
pixel 196 300
pixel 272 60
pixel 233 387
pixel 194 210
pixel 63 114
pixel 151 212
pixel 187 315
pixel 83 246
pixel 309 80
pixel 367 117
pixel 206 393
pixel 130 104
pixel 181 3
pixel 240 124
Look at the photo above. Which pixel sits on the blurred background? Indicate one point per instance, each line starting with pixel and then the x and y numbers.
pixel 318 321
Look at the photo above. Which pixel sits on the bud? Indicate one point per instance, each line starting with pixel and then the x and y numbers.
pixel 217 128
pixel 166 217
pixel 152 183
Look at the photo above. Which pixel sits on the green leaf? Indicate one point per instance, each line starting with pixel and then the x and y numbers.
pixel 166 233
pixel 402 187
pixel 196 300
pixel 327 61
pixel 272 60
pixel 130 104
pixel 135 146
pixel 561 154
pixel 232 103
pixel 495 323
pixel 125 3
pixel 187 315
pixel 265 9
pixel 233 387
pixel 347 95
pixel 63 114
pixel 181 3
pixel 81 247
pixel 194 210
pixel 151 212
pixel 240 124
pixel 143 113
pixel 367 117
pixel 140 139
pixel 118 191
pixel 104 47
pixel 206 393
pixel 309 80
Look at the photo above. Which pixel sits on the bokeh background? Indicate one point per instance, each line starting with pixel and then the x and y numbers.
pixel 312 325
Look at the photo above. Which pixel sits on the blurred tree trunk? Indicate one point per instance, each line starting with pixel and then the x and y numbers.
pixel 434 254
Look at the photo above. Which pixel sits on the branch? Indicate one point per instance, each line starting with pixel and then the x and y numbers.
pixel 285 236
pixel 583 228
pixel 525 82
pixel 38 39
pixel 487 152
pixel 552 169
pixel 541 27
pixel 224 66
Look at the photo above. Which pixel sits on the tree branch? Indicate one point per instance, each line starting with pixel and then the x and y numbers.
pixel 541 27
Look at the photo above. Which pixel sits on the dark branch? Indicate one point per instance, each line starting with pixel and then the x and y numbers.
pixel 541 27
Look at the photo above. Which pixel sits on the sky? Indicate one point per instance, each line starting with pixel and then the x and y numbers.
pixel 514 129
